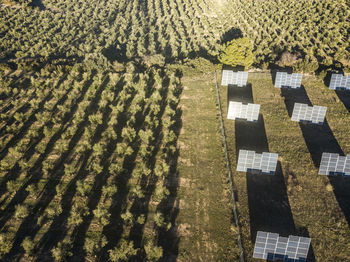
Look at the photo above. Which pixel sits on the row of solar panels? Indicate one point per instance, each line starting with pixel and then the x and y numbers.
pixel 334 164
pixel 288 80
pixel 301 112
pixel 249 161
pixel 266 163
pixel 249 112
pixel 234 78
pixel 270 246
pixel 283 79
pixel 313 114
pixel 338 81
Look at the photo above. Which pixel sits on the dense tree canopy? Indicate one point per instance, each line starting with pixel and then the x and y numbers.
pixel 237 52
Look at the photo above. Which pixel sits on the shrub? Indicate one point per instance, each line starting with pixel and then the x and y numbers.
pixel 287 59
pixel 307 65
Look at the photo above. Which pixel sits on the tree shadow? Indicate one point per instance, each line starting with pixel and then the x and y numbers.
pixel 233 68
pixel 201 52
pixel 58 227
pixel 169 239
pixel 231 34
pixel 269 208
pixel 29 225
pixel 113 54
pixel 79 233
pixel 26 125
pixel 115 229
pixel 10 117
pixel 39 4
pixel 148 183
pixel 320 139
pixel 14 172
pixel 327 78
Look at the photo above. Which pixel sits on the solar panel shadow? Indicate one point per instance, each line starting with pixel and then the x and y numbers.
pixel 269 207
pixel 344 97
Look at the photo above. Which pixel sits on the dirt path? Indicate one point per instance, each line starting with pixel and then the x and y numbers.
pixel 204 220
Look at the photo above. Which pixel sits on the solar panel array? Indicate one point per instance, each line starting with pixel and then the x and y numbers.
pixel 270 246
pixel 288 80
pixel 234 78
pixel 249 112
pixel 338 81
pixel 334 164
pixel 313 114
pixel 249 160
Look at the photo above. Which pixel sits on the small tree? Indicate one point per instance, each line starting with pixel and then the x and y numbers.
pixel 5 244
pixel 159 219
pixel 94 244
pixel 238 52
pixel 123 252
pixel 21 211
pixel 28 246
pixel 62 250
pixel 153 252
pixel 102 214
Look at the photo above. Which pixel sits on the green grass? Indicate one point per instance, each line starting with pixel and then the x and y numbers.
pixel 204 219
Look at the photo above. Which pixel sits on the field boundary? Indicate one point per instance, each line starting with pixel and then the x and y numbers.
pixel 229 172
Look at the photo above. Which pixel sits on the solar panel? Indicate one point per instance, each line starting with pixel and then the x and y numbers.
pixel 227 77
pixel 266 162
pixel 249 112
pixel 241 79
pixel 338 81
pixel 234 78
pixel 288 80
pixel 334 164
pixel 270 246
pixel 313 114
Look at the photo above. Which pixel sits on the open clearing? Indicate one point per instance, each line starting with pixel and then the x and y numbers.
pixel 205 209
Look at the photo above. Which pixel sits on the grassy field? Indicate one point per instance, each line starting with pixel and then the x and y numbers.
pixel 296 200
pixel 204 218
